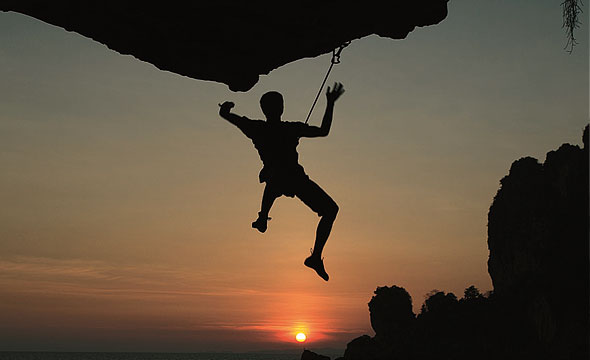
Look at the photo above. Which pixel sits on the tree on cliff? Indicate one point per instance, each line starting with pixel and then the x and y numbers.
pixel 571 21
pixel 471 293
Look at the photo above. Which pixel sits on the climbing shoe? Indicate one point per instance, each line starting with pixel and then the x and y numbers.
pixel 260 223
pixel 317 264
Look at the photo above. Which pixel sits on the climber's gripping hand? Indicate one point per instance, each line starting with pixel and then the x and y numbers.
pixel 225 108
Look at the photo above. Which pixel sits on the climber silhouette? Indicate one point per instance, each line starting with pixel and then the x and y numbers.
pixel 276 142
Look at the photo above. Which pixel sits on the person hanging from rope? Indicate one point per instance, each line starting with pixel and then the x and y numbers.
pixel 276 142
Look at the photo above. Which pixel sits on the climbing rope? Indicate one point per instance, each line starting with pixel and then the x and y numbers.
pixel 335 60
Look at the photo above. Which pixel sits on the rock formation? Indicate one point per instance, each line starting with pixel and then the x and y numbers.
pixel 539 265
pixel 310 355
pixel 391 312
pixel 538 241
pixel 232 42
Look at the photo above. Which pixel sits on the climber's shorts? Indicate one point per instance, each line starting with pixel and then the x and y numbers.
pixel 300 185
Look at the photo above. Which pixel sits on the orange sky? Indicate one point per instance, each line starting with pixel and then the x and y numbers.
pixel 126 205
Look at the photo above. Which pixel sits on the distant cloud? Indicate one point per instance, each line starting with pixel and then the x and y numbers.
pixel 96 277
pixel 89 295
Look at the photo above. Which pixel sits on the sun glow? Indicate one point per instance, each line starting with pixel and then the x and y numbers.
pixel 300 337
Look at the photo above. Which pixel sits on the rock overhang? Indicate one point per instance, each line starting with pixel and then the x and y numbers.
pixel 230 41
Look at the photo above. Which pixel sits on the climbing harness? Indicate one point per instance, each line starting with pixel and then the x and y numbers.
pixel 335 60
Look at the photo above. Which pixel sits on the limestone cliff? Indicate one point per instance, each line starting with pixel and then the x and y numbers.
pixel 538 241
pixel 230 41
pixel 539 265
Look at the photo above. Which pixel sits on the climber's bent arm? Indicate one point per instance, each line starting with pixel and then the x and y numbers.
pixel 324 130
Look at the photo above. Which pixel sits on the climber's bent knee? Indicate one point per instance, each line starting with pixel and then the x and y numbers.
pixel 316 198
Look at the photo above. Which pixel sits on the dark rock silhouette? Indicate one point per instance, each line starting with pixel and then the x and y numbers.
pixel 362 348
pixel 539 264
pixel 310 355
pixel 391 311
pixel 538 241
pixel 446 328
pixel 232 42
pixel 392 319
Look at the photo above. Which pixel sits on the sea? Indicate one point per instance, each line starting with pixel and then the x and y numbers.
pixel 14 355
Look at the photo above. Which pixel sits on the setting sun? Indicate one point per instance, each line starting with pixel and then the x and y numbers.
pixel 300 337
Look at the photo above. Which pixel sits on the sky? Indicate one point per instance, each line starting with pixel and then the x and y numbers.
pixel 126 201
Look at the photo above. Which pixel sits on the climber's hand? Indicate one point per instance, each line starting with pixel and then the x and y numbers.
pixel 225 107
pixel 333 94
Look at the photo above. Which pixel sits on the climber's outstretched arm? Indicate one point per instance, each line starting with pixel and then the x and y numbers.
pixel 225 112
pixel 331 96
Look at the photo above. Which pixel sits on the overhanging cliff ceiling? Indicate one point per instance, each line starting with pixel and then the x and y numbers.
pixel 232 42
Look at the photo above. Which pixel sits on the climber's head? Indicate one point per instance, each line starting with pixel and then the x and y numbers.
pixel 271 104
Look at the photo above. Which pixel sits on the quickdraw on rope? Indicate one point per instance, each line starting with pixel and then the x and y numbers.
pixel 335 60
